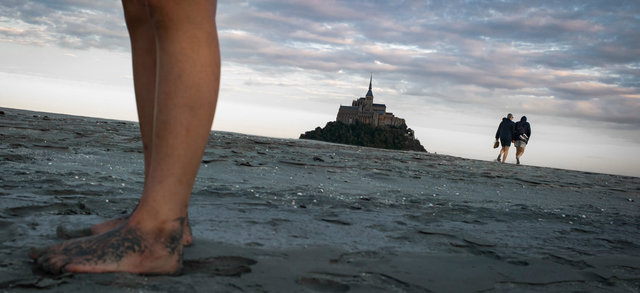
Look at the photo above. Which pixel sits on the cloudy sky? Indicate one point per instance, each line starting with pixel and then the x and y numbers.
pixel 451 68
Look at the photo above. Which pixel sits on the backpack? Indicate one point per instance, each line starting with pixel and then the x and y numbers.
pixel 521 132
pixel 520 128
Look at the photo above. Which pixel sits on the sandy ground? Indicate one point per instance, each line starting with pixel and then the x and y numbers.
pixel 281 215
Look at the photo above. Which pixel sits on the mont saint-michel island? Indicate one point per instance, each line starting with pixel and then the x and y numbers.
pixel 368 124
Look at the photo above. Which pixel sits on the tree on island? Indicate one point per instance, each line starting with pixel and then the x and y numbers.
pixel 385 137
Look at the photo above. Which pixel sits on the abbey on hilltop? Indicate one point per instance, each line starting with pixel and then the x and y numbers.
pixel 367 124
pixel 363 110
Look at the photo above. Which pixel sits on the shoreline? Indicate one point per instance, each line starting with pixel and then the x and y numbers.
pixel 292 138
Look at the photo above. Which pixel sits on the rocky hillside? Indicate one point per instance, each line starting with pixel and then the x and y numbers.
pixel 394 138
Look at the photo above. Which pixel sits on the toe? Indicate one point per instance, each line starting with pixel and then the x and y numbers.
pixel 42 259
pixel 65 233
pixel 37 252
pixel 55 264
pixel 61 232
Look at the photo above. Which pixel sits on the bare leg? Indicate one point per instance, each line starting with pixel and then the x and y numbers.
pixel 144 59
pixel 504 150
pixel 188 76
pixel 501 153
pixel 143 50
pixel 519 152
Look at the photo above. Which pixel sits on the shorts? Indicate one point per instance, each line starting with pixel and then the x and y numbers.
pixel 520 144
pixel 505 143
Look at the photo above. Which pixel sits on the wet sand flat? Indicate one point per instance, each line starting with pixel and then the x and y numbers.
pixel 287 215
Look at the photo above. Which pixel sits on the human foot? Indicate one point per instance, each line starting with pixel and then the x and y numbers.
pixel 128 248
pixel 65 233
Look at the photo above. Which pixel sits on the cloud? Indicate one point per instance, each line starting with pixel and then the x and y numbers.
pixel 67 23
pixel 575 58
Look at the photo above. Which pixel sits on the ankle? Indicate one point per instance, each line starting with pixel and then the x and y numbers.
pixel 157 228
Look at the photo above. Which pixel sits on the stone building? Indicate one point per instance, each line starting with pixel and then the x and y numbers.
pixel 365 111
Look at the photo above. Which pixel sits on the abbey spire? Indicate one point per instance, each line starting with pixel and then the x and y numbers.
pixel 369 93
pixel 363 110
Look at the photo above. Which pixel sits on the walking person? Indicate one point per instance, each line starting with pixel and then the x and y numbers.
pixel 505 134
pixel 523 134
pixel 176 73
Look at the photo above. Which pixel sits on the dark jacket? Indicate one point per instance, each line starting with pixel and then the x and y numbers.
pixel 523 127
pixel 506 130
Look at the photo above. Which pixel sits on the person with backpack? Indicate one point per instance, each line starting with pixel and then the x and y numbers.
pixel 505 134
pixel 523 134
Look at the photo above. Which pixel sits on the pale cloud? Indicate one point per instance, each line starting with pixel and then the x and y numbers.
pixel 66 23
pixel 574 58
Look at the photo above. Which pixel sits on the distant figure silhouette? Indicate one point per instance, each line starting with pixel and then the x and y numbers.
pixel 505 134
pixel 523 134
pixel 176 69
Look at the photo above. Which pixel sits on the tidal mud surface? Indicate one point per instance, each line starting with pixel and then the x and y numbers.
pixel 287 215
